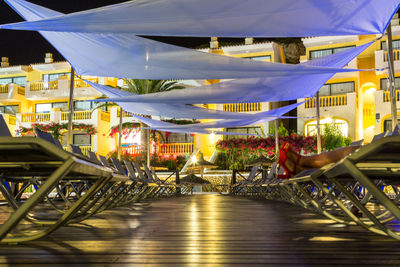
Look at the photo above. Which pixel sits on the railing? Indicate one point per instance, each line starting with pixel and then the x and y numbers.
pixel 40 86
pixel 242 107
pixel 131 150
pixel 12 120
pixel 176 148
pixel 78 83
pixel 327 101
pixel 86 149
pixel 20 90
pixel 386 96
pixel 4 89
pixel 124 114
pixel 78 115
pixel 35 117
pixel 396 55
pixel 105 116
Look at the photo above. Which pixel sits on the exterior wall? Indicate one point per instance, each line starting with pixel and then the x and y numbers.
pixel 345 112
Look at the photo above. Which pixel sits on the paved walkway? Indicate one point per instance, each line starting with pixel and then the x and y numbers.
pixel 207 229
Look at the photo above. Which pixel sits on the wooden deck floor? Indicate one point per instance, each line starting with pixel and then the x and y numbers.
pixel 207 229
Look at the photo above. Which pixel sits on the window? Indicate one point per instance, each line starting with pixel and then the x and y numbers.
pixel 61 105
pixel 43 108
pixel 86 105
pixel 5 81
pixel 55 76
pixel 46 107
pixel 178 138
pixel 261 58
pixel 311 127
pixel 82 139
pixel 246 130
pixel 336 89
pixel 395 43
pixel 17 80
pixel 9 109
pixel 385 83
pixel 326 52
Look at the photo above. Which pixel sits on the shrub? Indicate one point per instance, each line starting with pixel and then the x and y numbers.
pixel 238 152
pixel 332 137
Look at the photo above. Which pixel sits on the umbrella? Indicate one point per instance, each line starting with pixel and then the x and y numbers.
pixel 193 179
pixel 201 164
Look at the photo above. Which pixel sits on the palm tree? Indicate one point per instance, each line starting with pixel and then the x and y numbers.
pixel 142 87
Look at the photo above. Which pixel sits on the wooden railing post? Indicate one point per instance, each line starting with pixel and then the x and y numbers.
pixel 233 179
pixel 177 182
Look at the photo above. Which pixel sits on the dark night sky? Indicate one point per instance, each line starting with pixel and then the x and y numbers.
pixel 25 47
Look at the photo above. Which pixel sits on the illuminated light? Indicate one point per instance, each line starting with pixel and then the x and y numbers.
pixel 194 159
pixel 321 221
pixel 329 239
pixel 212 136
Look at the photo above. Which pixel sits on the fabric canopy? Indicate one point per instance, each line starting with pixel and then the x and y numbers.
pixel 129 56
pixel 254 90
pixel 272 115
pixel 174 110
pixel 226 18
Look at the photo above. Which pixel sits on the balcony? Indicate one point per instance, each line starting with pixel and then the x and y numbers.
pixel 381 61
pixel 243 107
pixel 78 115
pixel 35 117
pixel 88 117
pixel 172 148
pixel 85 149
pixel 327 101
pixel 386 96
pixel 131 150
pixel 59 89
pixel 11 92
pixel 176 148
pixel 340 107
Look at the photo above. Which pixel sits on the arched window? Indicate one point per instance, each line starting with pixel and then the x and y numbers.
pixel 311 127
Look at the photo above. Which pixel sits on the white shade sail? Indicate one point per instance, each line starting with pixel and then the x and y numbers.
pixel 225 18
pixel 254 90
pixel 129 56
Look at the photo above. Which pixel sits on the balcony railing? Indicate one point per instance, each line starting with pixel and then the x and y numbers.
pixel 131 150
pixel 176 148
pixel 85 149
pixel 41 86
pixel 78 115
pixel 78 83
pixel 124 114
pixel 4 89
pixel 327 101
pixel 386 96
pixel 396 55
pixel 105 116
pixel 35 117
pixel 12 120
pixel 20 90
pixel 242 107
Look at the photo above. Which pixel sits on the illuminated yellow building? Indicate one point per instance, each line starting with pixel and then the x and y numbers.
pixel 357 101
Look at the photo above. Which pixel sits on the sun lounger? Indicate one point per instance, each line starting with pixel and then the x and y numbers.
pixel 74 186
pixel 353 184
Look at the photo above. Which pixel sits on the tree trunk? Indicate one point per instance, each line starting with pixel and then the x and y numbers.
pixel 293 48
pixel 144 141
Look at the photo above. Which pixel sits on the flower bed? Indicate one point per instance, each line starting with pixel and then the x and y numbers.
pixel 56 129
pixel 237 152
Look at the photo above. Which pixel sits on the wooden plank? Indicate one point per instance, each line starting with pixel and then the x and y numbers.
pixel 206 229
